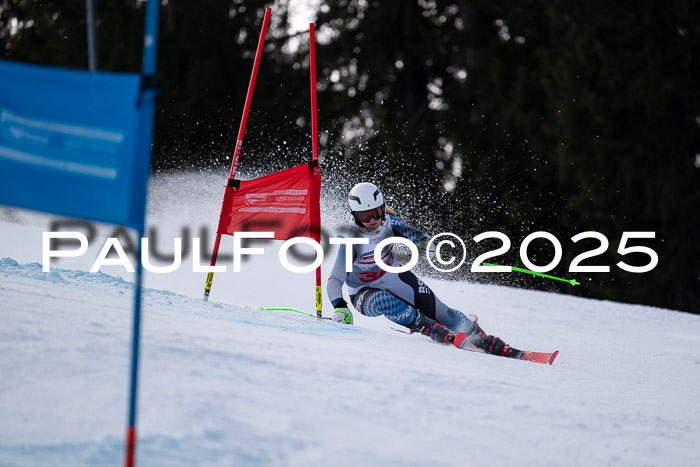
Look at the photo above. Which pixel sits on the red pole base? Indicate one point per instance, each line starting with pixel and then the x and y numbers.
pixel 130 446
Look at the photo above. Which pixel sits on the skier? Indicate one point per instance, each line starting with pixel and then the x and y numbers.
pixel 402 297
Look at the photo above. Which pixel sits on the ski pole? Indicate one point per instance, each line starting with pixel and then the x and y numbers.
pixel 292 309
pixel 527 271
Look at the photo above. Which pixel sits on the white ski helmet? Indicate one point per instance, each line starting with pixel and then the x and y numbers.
pixel 366 201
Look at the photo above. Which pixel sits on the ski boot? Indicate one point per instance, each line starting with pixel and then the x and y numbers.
pixel 478 340
pixel 431 328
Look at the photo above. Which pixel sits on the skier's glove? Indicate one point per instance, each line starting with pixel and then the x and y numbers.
pixel 342 315
pixel 431 252
pixel 423 248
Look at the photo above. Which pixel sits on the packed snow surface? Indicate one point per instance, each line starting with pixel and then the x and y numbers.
pixel 223 383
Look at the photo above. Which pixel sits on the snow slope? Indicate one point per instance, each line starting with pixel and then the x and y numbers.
pixel 225 384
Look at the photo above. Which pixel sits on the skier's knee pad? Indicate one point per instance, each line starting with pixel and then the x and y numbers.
pixel 376 302
pixel 359 300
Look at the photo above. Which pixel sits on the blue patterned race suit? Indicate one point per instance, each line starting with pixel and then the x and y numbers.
pixel 375 292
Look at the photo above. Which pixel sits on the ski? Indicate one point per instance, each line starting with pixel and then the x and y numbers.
pixel 545 358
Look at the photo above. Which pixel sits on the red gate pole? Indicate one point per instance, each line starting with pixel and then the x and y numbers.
pixel 316 215
pixel 239 141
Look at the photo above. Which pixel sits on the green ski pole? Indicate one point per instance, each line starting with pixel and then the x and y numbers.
pixel 527 271
pixel 290 309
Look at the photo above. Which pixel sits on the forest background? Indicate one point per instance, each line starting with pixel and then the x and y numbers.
pixel 473 116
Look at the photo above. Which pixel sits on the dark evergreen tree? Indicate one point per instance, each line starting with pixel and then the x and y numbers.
pixel 484 115
pixel 563 117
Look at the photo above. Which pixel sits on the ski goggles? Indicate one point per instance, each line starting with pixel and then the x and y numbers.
pixel 368 216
